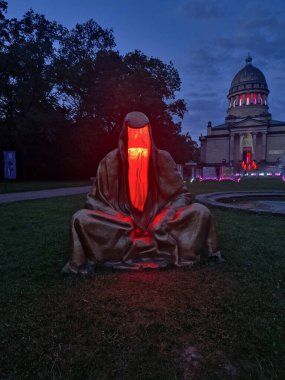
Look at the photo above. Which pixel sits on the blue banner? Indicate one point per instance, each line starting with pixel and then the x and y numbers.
pixel 10 165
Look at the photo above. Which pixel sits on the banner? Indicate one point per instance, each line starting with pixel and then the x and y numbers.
pixel 9 164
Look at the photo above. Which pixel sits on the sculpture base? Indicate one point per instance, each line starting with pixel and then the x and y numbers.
pixel 137 265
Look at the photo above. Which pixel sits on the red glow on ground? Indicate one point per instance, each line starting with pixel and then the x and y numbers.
pixel 139 145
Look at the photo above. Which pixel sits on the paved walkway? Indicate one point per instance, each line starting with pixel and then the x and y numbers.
pixel 40 194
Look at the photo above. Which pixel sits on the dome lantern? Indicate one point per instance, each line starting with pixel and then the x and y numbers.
pixel 248 59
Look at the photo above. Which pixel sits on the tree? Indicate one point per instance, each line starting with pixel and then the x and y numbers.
pixel 33 113
pixel 64 94
pixel 78 82
pixel 28 104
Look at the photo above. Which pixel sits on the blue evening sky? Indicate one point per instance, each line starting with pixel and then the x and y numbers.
pixel 206 40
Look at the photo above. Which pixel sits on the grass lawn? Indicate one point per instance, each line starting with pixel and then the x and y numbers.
pixel 214 321
pixel 16 186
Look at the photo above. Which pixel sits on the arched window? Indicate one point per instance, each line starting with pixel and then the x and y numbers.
pixel 247 99
pixel 254 99
pixel 240 100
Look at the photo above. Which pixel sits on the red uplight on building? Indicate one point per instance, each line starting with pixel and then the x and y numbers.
pixel 248 165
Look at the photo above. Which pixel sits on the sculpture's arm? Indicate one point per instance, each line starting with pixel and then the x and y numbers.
pixel 173 186
pixel 99 198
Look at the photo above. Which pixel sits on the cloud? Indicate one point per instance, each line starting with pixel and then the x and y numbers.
pixel 200 95
pixel 260 29
pixel 200 10
pixel 201 110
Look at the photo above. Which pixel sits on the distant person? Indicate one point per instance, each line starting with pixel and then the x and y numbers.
pixel 139 213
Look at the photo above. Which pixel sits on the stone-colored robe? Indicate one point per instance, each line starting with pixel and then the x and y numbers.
pixel 170 230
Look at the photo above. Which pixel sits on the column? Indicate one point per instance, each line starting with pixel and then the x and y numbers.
pixel 254 147
pixel 263 157
pixel 232 137
pixel 266 100
pixel 240 146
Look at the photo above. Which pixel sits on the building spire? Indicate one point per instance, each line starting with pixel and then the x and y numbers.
pixel 248 59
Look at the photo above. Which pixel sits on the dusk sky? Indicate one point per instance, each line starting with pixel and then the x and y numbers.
pixel 206 40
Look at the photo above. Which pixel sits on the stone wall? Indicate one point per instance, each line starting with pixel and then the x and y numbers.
pixel 217 149
pixel 275 147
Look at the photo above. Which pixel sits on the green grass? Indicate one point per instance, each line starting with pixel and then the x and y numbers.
pixel 246 184
pixel 143 325
pixel 16 186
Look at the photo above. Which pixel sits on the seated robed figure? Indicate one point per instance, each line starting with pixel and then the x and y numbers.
pixel 139 213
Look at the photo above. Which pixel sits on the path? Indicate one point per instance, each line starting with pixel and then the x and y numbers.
pixel 41 194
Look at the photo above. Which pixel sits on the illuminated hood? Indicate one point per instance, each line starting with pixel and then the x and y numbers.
pixel 138 156
pixel 141 187
pixel 155 169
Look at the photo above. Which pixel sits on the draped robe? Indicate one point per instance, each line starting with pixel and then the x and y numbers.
pixel 164 227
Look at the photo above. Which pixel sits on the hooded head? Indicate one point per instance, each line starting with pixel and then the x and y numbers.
pixel 136 120
pixel 137 154
pixel 138 179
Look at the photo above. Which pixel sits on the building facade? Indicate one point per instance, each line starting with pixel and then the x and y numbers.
pixel 249 137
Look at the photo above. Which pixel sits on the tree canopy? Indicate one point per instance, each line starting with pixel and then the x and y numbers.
pixel 64 94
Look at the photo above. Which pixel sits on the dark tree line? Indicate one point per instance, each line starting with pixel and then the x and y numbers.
pixel 64 94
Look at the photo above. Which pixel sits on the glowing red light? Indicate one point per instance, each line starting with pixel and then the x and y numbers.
pixel 248 165
pixel 248 157
pixel 139 145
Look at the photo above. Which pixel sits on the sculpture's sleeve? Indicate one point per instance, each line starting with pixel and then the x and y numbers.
pixel 91 202
pixel 172 183
pixel 99 198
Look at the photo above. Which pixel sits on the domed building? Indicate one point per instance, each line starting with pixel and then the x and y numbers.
pixel 249 136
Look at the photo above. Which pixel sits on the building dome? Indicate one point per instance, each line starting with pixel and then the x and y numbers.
pixel 249 77
pixel 248 94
